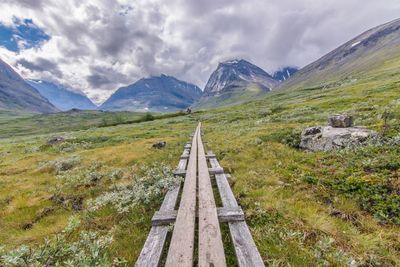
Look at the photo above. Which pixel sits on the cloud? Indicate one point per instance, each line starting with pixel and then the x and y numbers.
pixel 100 45
pixel 41 65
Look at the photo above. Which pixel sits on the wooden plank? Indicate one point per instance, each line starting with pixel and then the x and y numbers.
pixel 180 252
pixel 180 172
pixel 211 248
pixel 163 218
pixel 153 247
pixel 214 171
pixel 209 156
pixel 230 214
pixel 227 197
pixel 224 215
pixel 245 248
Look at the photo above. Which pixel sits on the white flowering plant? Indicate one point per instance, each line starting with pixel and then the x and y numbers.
pixel 143 189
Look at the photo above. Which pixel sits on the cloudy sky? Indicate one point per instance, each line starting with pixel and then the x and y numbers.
pixel 100 45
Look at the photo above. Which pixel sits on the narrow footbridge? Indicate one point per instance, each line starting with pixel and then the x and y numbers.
pixel 196 237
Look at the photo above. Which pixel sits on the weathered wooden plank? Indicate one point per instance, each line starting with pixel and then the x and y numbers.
pixel 245 248
pixel 227 197
pixel 181 249
pixel 180 172
pixel 211 248
pixel 209 156
pixel 214 171
pixel 163 218
pixel 153 247
pixel 230 214
pixel 224 215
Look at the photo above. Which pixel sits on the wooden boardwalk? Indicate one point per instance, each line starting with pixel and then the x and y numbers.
pixel 198 201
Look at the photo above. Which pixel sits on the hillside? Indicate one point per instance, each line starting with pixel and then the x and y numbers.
pixel 17 95
pixel 362 54
pixel 159 94
pixel 62 97
pixel 233 82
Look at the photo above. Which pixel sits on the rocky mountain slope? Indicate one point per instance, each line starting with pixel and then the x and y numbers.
pixel 284 73
pixel 62 97
pixel 17 95
pixel 235 81
pixel 355 57
pixel 157 93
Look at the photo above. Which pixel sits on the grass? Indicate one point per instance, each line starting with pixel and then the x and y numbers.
pixel 304 209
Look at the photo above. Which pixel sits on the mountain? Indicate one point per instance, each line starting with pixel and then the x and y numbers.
pixel 157 93
pixel 356 57
pixel 284 73
pixel 17 95
pixel 62 97
pixel 235 81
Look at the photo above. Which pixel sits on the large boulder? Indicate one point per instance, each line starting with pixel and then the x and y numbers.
pixel 325 138
pixel 340 121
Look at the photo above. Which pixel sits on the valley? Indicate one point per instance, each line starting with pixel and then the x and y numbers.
pixel 297 204
pixel 89 181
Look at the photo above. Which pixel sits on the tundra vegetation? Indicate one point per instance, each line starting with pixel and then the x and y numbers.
pixel 91 197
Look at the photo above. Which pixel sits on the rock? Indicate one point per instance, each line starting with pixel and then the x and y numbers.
pixel 27 225
pixel 159 144
pixel 340 121
pixel 325 138
pixel 77 203
pixel 58 139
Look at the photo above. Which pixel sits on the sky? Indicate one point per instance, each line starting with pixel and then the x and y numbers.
pixel 97 46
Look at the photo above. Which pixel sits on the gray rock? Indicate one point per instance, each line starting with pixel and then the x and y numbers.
pixel 340 121
pixel 58 139
pixel 160 144
pixel 327 138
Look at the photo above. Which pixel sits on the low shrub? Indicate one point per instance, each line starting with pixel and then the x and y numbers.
pixel 90 249
pixel 143 189
pixel 60 165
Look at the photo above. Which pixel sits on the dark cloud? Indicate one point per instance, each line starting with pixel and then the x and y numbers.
pixel 103 77
pixel 101 45
pixel 98 80
pixel 41 65
pixel 35 4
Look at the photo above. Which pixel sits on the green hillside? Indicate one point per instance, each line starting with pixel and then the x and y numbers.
pixel 333 208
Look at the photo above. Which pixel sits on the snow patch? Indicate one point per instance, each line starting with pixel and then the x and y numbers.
pixel 356 43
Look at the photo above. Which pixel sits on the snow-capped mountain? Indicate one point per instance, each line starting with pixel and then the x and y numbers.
pixel 235 81
pixel 62 97
pixel 236 74
pixel 157 93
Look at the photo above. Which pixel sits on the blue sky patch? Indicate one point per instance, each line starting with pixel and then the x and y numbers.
pixel 23 34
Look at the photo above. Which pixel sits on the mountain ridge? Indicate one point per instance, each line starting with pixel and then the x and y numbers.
pixel 359 54
pixel 235 81
pixel 155 93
